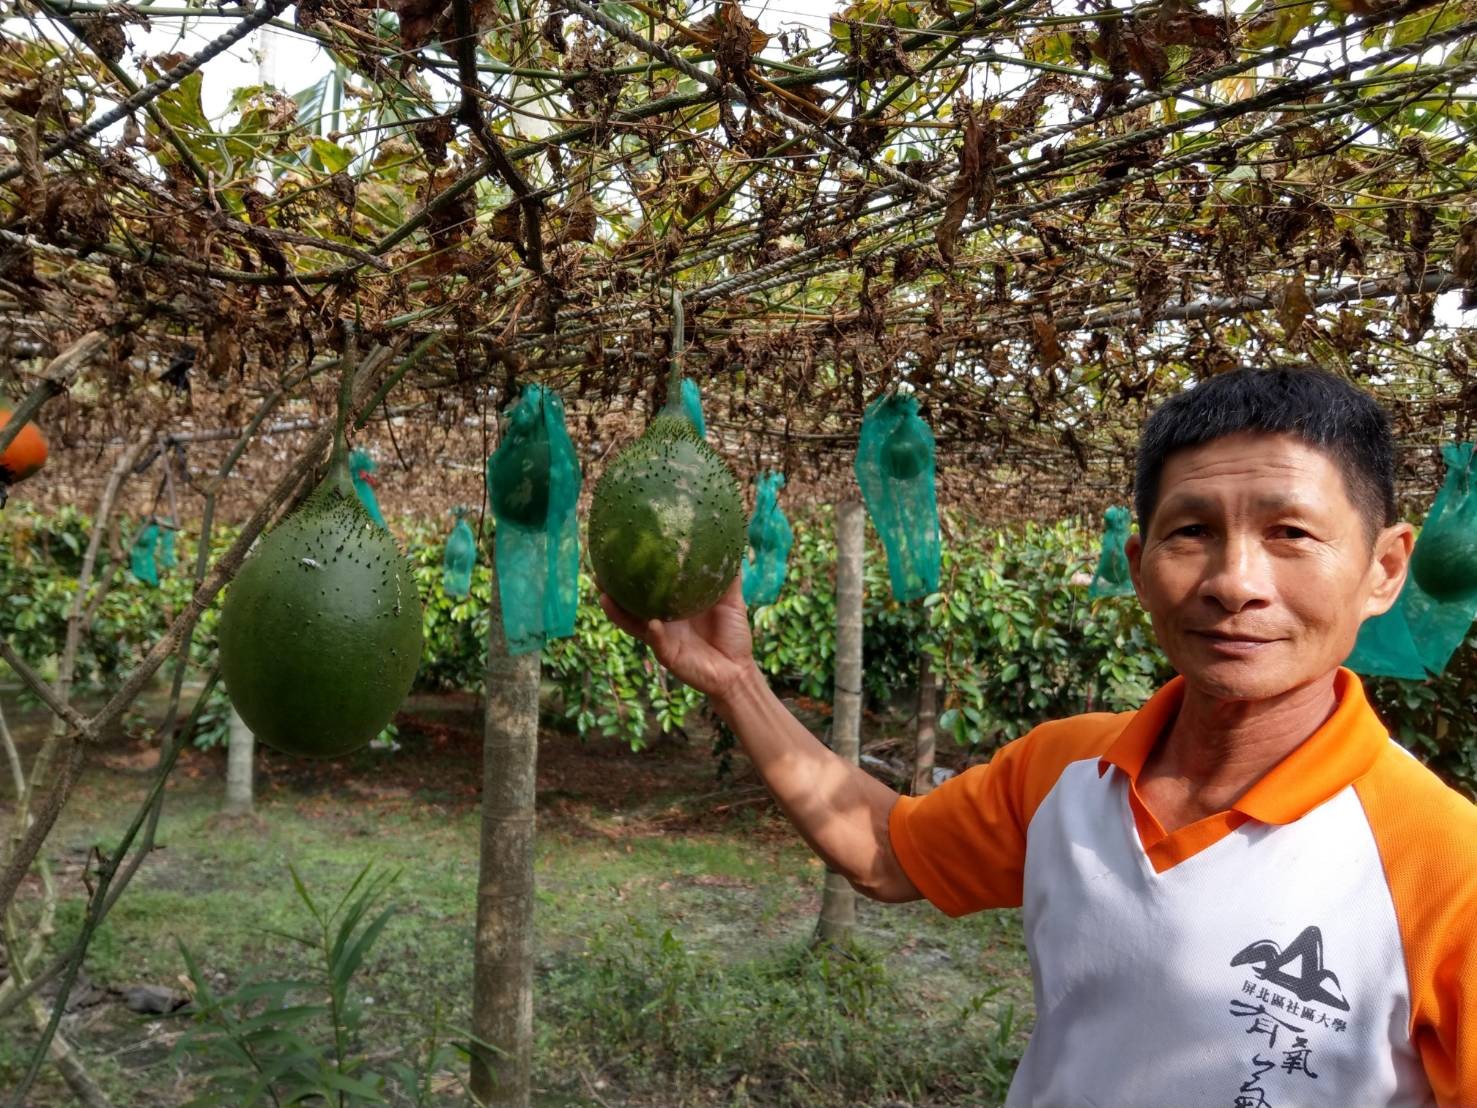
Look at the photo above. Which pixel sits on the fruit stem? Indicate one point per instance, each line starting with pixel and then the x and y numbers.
pixel 679 347
pixel 338 475
pixel 345 387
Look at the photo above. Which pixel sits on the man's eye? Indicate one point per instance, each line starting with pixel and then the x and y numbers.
pixel 1287 531
pixel 1191 531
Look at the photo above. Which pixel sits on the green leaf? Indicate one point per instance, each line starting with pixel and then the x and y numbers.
pixel 333 157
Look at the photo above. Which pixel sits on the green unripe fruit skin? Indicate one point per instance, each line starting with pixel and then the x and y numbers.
pixel 1445 564
pixel 667 524
pixel 320 634
pixel 904 454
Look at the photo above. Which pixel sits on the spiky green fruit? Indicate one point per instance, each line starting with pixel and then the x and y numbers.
pixel 666 527
pixel 320 634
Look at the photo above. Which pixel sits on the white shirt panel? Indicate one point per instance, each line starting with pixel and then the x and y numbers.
pixel 1266 970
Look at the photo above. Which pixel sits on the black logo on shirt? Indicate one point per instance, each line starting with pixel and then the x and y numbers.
pixel 1305 954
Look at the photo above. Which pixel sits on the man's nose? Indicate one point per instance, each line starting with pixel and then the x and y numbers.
pixel 1238 575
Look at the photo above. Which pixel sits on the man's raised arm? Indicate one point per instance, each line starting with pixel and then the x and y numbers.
pixel 838 808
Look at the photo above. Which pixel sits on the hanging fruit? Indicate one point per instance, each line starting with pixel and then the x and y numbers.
pixel 518 472
pixel 320 633
pixel 1444 562
pixel 25 455
pixel 667 519
pixel 533 483
pixel 905 453
pixel 458 558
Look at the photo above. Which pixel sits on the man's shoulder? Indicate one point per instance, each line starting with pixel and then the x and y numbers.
pixel 1082 736
pixel 1400 793
pixel 1037 760
pixel 1426 832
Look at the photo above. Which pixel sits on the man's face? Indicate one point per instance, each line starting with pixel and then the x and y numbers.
pixel 1257 569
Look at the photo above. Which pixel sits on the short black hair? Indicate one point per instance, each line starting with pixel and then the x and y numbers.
pixel 1323 410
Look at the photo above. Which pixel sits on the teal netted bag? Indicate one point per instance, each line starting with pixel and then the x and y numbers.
pixel 770 538
pixel 1416 638
pixel 459 558
pixel 533 483
pixel 895 463
pixel 1112 577
pixel 141 556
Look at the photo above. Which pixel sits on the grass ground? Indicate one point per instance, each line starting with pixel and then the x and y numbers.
pixel 672 917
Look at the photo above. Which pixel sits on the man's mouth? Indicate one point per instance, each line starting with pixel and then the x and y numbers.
pixel 1224 642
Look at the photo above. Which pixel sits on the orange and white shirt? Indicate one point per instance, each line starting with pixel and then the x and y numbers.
pixel 1314 945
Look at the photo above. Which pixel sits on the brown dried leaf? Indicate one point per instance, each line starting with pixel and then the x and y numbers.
pixel 579 221
pixel 432 135
pixel 418 20
pixel 1464 253
pixel 507 224
pixel 1048 346
pixel 1293 305
pixel 1146 57
pixel 974 184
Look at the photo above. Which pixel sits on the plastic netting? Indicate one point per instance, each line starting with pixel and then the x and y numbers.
pixel 1112 577
pixel 533 482
pixel 895 469
pixel 770 538
pixel 459 558
pixel 167 559
pixel 361 468
pixel 141 557
pixel 692 403
pixel 1416 638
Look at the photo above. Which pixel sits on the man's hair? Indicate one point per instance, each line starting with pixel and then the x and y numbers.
pixel 1324 411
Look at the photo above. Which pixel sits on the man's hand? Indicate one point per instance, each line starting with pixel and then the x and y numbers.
pixel 711 651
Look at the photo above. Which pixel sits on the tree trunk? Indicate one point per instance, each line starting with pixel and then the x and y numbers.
pixel 838 901
pixel 240 767
pixel 926 731
pixel 502 975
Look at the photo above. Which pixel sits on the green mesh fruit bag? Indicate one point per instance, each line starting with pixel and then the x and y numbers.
pixel 1112 577
pixel 167 559
pixel 692 404
pixel 459 558
pixel 533 483
pixel 361 469
pixel 895 469
pixel 1416 638
pixel 141 557
pixel 770 538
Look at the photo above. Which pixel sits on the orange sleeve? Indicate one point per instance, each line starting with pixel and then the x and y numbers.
pixel 964 844
pixel 1427 839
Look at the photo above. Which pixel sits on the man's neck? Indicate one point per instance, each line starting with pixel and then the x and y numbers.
pixel 1217 749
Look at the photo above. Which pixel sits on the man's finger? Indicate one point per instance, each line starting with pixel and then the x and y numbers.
pixel 634 626
pixel 735 591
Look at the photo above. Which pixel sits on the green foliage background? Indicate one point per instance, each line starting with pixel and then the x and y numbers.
pixel 1013 640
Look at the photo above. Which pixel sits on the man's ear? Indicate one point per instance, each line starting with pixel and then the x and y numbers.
pixel 1134 548
pixel 1388 566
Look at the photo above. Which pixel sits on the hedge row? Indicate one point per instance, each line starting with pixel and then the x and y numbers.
pixel 1013 639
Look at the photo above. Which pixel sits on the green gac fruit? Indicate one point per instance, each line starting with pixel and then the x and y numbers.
pixel 518 475
pixel 667 521
pixel 1445 562
pixel 905 452
pixel 320 634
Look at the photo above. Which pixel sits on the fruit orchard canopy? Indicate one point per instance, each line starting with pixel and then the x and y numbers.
pixel 1039 218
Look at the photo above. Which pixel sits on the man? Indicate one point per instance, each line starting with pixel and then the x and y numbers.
pixel 1243 893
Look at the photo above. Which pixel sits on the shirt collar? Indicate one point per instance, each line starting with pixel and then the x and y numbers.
pixel 1327 761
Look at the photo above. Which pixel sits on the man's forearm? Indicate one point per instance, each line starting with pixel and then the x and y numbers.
pixel 839 809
